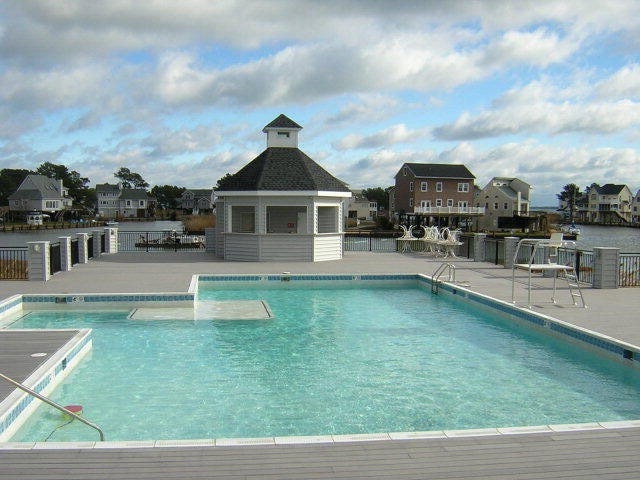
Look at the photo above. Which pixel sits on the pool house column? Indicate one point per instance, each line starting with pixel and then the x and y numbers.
pixel 39 267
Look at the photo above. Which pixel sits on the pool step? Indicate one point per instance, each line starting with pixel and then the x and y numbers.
pixel 208 310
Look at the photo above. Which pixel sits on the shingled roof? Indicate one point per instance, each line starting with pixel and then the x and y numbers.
pixel 439 170
pixel 282 169
pixel 282 121
pixel 610 189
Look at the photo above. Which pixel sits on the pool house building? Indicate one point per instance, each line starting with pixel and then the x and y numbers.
pixel 281 206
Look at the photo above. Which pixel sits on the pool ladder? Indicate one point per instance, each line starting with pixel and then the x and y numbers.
pixel 53 404
pixel 450 268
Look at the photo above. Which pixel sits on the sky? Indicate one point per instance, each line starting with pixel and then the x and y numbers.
pixel 179 91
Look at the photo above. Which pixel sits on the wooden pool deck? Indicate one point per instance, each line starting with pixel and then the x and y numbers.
pixel 592 452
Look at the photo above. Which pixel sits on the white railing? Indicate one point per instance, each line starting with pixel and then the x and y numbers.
pixel 450 210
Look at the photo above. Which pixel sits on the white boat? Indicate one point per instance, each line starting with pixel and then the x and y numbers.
pixel 570 229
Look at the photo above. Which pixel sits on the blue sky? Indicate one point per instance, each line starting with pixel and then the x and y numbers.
pixel 179 92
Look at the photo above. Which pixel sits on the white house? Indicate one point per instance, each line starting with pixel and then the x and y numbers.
pixel 41 194
pixel 635 208
pixel 610 203
pixel 506 204
pixel 280 206
pixel 360 207
pixel 195 201
pixel 113 201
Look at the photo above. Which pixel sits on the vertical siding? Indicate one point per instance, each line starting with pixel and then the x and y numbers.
pixel 327 247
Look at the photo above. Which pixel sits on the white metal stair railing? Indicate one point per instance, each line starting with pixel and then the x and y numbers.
pixel 450 268
pixel 534 263
pixel 53 404
pixel 574 287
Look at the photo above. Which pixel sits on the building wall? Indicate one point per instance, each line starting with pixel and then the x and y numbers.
pixel 327 247
pixel 408 197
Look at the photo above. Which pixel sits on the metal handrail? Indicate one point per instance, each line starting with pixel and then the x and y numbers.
pixel 439 271
pixel 53 404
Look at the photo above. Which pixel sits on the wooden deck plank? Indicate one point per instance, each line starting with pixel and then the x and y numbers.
pixel 518 456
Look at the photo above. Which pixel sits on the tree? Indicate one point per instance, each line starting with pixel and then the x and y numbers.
pixel 378 194
pixel 167 195
pixel 570 195
pixel 130 179
pixel 10 180
pixel 221 182
pixel 72 180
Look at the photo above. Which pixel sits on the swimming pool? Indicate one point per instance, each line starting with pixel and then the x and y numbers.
pixel 337 358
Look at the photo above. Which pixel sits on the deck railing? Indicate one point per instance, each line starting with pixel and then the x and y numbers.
pixel 55 260
pixel 159 242
pixel 630 269
pixel 381 241
pixel 14 263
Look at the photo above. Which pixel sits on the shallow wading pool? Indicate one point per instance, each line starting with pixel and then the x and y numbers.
pixel 338 356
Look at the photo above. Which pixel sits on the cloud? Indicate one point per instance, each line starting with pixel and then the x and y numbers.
pixel 542 107
pixel 395 134
pixel 368 108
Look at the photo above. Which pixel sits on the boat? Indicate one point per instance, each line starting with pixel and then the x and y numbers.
pixel 570 229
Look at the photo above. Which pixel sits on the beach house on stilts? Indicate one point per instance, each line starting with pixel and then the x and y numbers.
pixel 281 206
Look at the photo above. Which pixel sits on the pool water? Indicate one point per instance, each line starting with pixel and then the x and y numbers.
pixel 339 359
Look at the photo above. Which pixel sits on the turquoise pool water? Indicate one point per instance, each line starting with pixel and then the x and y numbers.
pixel 335 359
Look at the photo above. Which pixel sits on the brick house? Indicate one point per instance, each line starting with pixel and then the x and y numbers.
pixel 434 189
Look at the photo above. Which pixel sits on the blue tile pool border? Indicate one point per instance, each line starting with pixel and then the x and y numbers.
pixel 602 343
pixel 19 405
pixel 628 353
pixel 579 335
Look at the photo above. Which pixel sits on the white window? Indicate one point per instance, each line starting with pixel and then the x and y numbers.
pixel 405 170
pixel 328 220
pixel 438 202
pixel 142 203
pixel 425 204
pixel 283 134
pixel 495 206
pixel 463 186
pixel 449 202
pixel 438 186
pixel 411 202
pixel 423 186
pixel 506 206
pixel 463 204
pixel 128 203
pixel 411 186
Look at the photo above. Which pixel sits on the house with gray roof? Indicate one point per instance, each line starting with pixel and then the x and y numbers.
pixel 506 202
pixel 280 206
pixel 115 202
pixel 609 204
pixel 437 191
pixel 196 201
pixel 42 194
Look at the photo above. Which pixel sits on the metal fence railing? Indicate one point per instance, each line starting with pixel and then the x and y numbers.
pixel 75 251
pixel 14 263
pixel 371 242
pixel 55 261
pixel 159 241
pixel 90 252
pixel 630 269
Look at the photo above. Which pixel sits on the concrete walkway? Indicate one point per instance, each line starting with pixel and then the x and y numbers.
pixel 602 453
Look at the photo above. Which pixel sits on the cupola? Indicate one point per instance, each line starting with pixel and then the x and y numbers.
pixel 282 132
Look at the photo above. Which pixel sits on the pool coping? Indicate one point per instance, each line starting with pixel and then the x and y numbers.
pixel 625 352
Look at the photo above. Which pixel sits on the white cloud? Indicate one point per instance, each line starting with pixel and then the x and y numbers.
pixel 394 134
pixel 542 107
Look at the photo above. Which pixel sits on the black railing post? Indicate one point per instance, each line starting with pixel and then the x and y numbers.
pixel 577 265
